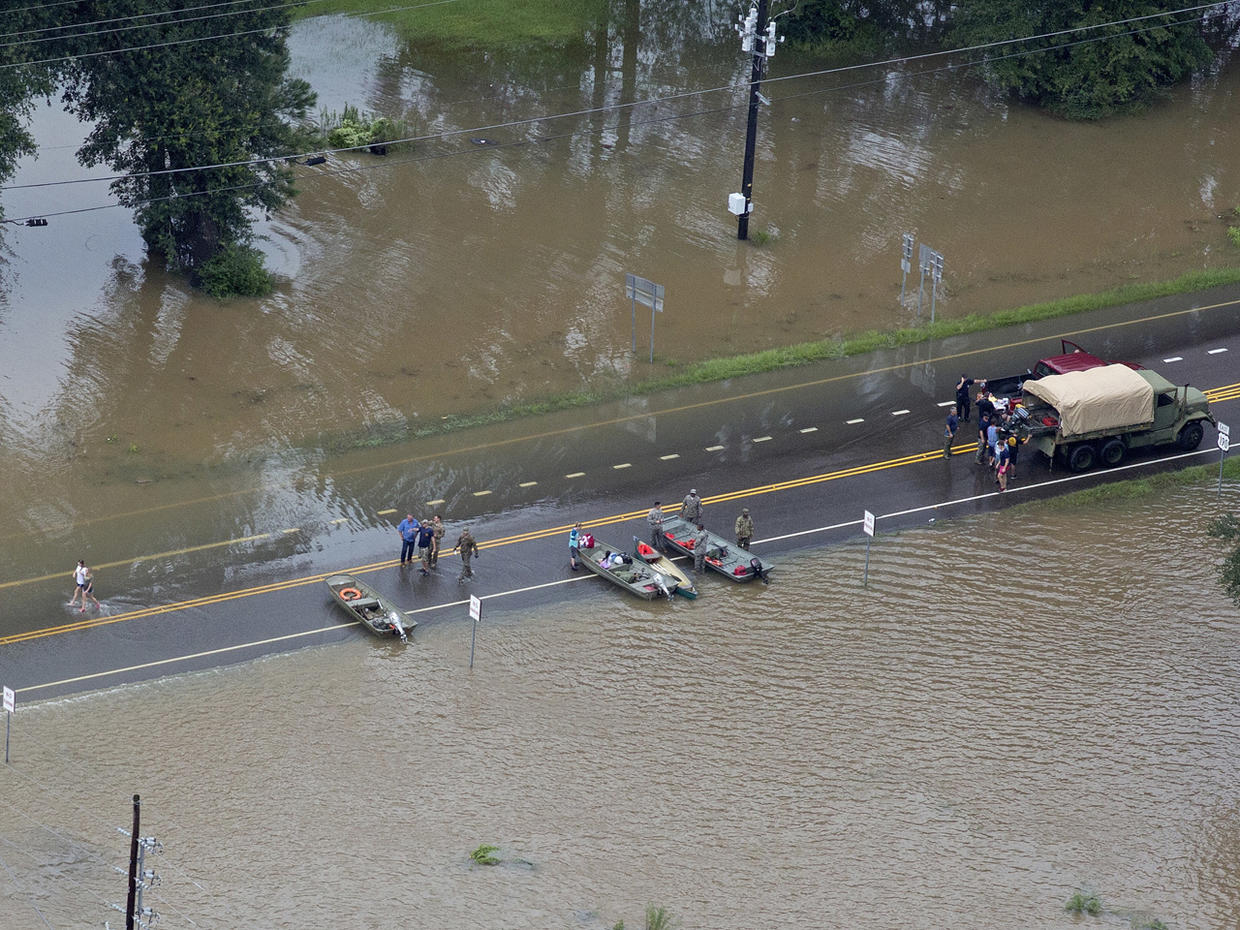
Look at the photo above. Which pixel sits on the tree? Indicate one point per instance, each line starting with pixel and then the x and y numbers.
pixel 859 27
pixel 1089 74
pixel 204 102
pixel 19 82
pixel 1227 527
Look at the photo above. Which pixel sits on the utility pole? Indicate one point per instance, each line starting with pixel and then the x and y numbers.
pixel 758 41
pixel 138 917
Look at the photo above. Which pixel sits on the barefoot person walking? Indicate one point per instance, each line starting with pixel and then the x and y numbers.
pixel 84 585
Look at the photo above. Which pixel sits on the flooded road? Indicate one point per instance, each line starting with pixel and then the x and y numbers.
pixel 1016 708
pixel 457 276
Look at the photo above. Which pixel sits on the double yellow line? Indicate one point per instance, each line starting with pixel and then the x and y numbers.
pixel 1226 392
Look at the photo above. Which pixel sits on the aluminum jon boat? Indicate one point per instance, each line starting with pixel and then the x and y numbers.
pixel 727 559
pixel 620 568
pixel 369 608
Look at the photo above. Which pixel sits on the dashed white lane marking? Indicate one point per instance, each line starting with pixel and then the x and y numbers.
pixel 1215 351
pixel 946 403
pixel 898 413
pixel 668 458
pixel 292 529
pixel 714 448
pixel 762 439
pixel 527 484
pixel 576 474
pixel 858 420
pixel 1174 358
pixel 341 520
pixel 810 429
pixel 481 493
pixel 436 502
pixel 384 513
pixel 622 465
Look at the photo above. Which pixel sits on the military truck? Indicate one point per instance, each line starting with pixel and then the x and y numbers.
pixel 1101 414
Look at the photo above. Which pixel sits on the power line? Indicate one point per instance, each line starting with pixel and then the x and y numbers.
pixel 122 19
pixel 32 904
pixel 228 35
pixel 609 108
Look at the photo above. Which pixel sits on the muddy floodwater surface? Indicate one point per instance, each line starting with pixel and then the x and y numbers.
pixel 486 263
pixel 969 742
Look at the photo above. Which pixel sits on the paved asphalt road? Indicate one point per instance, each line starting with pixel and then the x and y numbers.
pixel 806 450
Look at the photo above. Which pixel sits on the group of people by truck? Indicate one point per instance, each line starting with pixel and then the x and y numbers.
pixel 1077 409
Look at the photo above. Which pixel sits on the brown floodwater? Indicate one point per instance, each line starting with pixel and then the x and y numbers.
pixel 458 275
pixel 1015 709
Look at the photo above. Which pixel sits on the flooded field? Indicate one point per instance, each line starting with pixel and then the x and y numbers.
pixel 1016 709
pixel 488 265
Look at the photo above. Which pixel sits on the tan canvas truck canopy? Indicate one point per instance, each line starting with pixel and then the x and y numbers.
pixel 1107 398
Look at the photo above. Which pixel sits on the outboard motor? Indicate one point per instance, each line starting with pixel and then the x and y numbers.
pixel 755 566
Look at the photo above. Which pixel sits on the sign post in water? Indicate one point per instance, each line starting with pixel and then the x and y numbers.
pixel 10 703
pixel 1224 443
pixel 868 526
pixel 475 614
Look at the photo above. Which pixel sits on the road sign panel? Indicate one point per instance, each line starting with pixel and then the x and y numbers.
pixel 10 700
pixel 869 524
pixel 475 608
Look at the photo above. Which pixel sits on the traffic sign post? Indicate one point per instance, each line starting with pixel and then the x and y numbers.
pixel 10 704
pixel 906 262
pixel 1224 443
pixel 648 294
pixel 475 614
pixel 867 525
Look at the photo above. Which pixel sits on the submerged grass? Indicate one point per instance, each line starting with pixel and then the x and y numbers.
pixel 1133 488
pixel 493 24
pixel 721 369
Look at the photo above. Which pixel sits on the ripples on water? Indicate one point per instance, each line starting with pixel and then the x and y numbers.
pixel 999 720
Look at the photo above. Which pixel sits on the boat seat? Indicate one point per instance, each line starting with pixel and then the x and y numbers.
pixel 365 603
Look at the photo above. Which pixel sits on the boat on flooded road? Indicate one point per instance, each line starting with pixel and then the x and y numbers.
pixel 634 575
pixel 727 559
pixel 369 608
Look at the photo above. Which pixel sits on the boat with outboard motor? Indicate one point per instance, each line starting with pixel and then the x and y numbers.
pixel 652 556
pixel 369 608
pixel 634 575
pixel 727 559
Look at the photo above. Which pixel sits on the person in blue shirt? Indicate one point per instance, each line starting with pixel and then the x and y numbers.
pixel 426 539
pixel 408 530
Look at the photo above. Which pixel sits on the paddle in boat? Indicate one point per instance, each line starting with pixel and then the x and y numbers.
pixel 654 557
pixel 373 611
pixel 727 559
pixel 634 575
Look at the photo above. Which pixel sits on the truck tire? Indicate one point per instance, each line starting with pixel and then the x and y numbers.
pixel 1190 436
pixel 1082 457
pixel 1113 453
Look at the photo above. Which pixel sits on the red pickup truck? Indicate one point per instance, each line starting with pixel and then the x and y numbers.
pixel 1073 358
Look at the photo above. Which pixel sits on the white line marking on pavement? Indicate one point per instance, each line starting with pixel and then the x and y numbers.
pixel 1174 358
pixel 481 493
pixel 623 465
pixel 527 484
pixel 714 448
pixel 946 403
pixel 576 474
pixel 810 429
pixel 1215 351
pixel 858 420
pixel 899 413
pixel 668 458
pixel 762 439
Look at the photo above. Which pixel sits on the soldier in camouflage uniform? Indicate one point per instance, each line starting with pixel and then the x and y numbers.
pixel 468 549
pixel 691 508
pixel 438 527
pixel 744 529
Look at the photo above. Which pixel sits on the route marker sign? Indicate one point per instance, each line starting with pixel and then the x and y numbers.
pixel 1224 437
pixel 475 614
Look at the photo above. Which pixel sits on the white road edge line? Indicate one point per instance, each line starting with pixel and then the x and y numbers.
pixel 563 581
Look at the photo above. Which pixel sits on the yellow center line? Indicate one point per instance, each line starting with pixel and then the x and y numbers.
pixel 613 421
pixel 272 587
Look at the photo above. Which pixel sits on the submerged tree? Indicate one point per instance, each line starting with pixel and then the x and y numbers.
pixel 1228 527
pixel 1085 74
pixel 194 111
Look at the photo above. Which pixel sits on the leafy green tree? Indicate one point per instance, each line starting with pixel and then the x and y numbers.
pixel 1228 527
pixel 19 82
pixel 1091 74
pixel 191 99
pixel 859 27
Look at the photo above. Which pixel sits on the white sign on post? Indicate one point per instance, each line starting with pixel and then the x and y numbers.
pixel 869 524
pixel 10 700
pixel 475 608
pixel 1224 437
